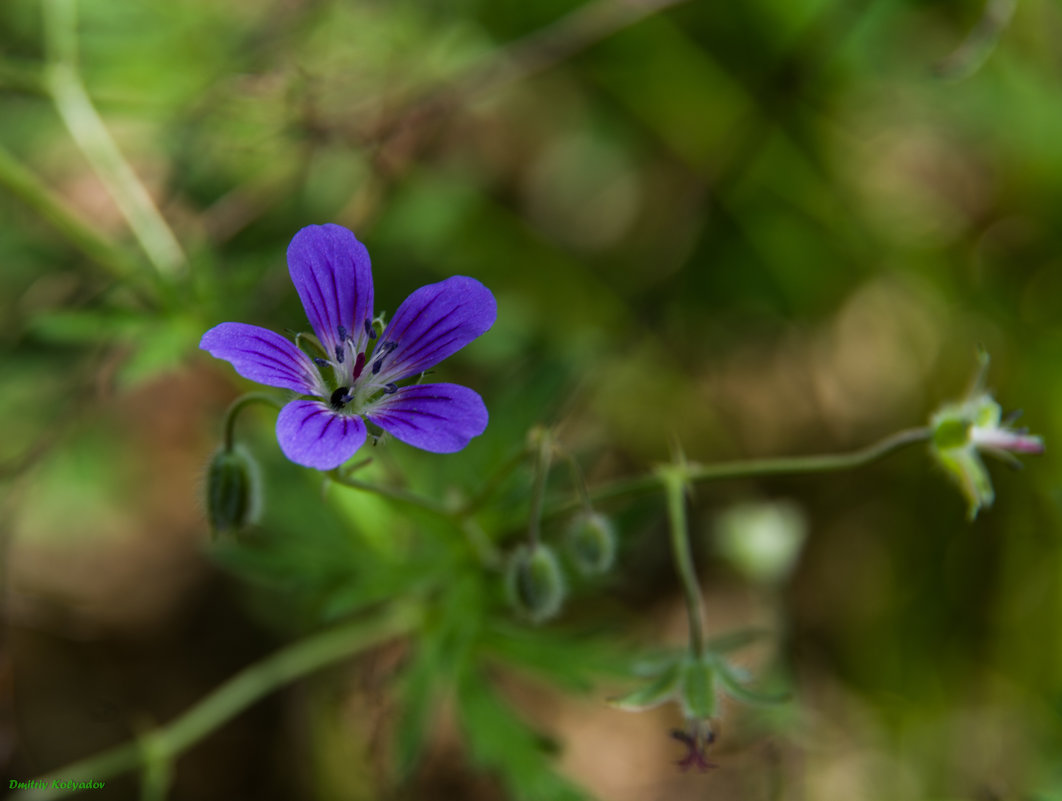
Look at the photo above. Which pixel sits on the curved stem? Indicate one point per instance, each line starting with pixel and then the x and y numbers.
pixel 404 497
pixel 228 700
pixel 674 478
pixel 237 406
pixel 748 468
pixel 538 492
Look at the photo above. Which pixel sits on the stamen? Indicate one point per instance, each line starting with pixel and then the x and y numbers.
pixel 342 333
pixel 340 398
pixel 370 330
pixel 320 362
pixel 339 353
pixel 359 365
pixel 384 349
pixel 391 389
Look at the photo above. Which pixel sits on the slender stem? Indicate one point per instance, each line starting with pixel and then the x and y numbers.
pixel 580 483
pixel 674 478
pixel 491 485
pixel 95 142
pixel 237 406
pixel 790 465
pixel 404 497
pixel 231 698
pixel 545 452
pixel 28 188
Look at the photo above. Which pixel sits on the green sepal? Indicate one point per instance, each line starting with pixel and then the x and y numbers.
pixel 659 691
pixel 733 687
pixel 698 697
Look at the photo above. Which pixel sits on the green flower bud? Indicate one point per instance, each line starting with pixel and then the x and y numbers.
pixel 535 582
pixel 592 543
pixel 232 491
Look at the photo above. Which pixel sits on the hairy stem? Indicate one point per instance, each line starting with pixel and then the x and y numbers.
pixel 748 468
pixel 543 458
pixel 237 406
pixel 674 478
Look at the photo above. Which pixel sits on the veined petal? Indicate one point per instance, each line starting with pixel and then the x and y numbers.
pixel 263 356
pixel 440 418
pixel 434 322
pixel 311 434
pixel 332 274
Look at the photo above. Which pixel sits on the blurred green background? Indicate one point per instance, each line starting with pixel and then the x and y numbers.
pixel 766 227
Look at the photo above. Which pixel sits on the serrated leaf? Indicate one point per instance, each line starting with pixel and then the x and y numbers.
pixel 502 743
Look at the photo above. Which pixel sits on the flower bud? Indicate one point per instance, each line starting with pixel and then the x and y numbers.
pixel 535 582
pixel 592 543
pixel 232 491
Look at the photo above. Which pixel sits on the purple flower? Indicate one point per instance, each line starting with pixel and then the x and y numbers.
pixel 356 377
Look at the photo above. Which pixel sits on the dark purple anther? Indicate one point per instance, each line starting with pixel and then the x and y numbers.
pixel 370 330
pixel 320 362
pixel 391 389
pixel 339 353
pixel 339 398
pixel 342 331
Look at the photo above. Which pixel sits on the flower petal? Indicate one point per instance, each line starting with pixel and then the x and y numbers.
pixel 313 435
pixel 263 356
pixel 434 322
pixel 332 274
pixel 440 418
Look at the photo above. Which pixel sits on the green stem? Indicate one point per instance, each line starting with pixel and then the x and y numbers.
pixel 237 406
pixel 674 478
pixel 94 140
pixel 395 494
pixel 491 485
pixel 30 190
pixel 545 453
pixel 231 698
pixel 753 468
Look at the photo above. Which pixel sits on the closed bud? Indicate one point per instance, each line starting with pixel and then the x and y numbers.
pixel 535 582
pixel 592 543
pixel 232 491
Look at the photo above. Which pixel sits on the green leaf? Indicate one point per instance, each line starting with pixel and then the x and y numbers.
pixel 502 743
pixel 570 661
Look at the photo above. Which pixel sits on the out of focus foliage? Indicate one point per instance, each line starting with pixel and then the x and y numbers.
pixel 764 227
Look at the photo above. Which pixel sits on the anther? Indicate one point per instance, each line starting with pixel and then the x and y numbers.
pixel 370 330
pixel 391 389
pixel 342 333
pixel 320 362
pixel 384 349
pixel 339 353
pixel 339 398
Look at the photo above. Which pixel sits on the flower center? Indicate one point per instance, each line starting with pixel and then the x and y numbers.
pixel 354 385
